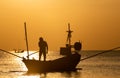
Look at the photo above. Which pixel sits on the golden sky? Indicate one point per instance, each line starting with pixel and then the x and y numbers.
pixel 95 22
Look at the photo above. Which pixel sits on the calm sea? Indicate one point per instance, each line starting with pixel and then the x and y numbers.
pixel 106 65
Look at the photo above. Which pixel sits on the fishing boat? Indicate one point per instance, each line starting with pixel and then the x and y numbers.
pixel 19 51
pixel 66 63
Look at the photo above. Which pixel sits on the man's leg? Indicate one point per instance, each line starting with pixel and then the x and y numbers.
pixel 44 54
pixel 40 53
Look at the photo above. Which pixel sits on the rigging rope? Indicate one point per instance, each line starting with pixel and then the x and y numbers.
pixel 32 53
pixel 100 53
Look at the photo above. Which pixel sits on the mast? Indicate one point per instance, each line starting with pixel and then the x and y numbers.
pixel 69 35
pixel 26 40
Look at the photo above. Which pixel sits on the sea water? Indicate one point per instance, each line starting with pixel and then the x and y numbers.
pixel 106 65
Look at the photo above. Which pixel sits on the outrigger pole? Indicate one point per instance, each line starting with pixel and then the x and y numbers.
pixel 26 40
pixel 100 53
pixel 11 53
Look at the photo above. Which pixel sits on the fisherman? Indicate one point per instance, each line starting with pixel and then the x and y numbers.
pixel 43 48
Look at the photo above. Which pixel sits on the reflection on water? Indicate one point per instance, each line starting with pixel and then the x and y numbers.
pixel 30 77
pixel 103 66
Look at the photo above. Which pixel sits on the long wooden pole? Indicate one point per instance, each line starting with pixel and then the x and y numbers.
pixel 100 53
pixel 26 39
pixel 11 53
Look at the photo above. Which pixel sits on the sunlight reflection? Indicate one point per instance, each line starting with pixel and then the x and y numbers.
pixel 30 77
pixel 32 55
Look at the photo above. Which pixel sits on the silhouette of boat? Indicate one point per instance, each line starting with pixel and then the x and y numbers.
pixel 19 51
pixel 67 63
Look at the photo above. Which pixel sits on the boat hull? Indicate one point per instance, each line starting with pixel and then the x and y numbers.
pixel 66 63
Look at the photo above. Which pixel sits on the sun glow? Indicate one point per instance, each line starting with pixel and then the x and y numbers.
pixel 30 77
pixel 96 22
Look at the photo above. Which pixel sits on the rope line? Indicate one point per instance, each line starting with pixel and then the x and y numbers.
pixel 32 53
pixel 99 53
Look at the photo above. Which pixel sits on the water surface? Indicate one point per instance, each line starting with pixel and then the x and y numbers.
pixel 103 66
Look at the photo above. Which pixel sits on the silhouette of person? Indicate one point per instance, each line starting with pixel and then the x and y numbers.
pixel 43 48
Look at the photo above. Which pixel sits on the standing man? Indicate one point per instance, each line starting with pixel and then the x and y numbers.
pixel 43 48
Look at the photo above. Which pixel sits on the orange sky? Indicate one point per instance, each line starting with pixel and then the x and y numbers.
pixel 95 22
